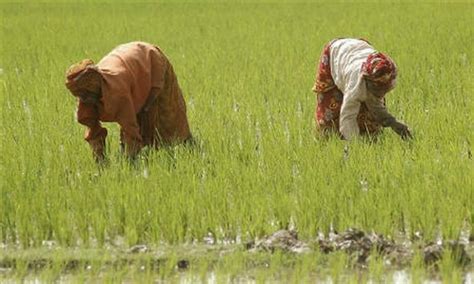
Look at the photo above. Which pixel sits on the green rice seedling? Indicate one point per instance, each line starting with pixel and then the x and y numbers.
pixel 376 270
pixel 246 71
pixel 304 268
pixel 418 275
pixel 450 272
pixel 337 265
pixel 21 268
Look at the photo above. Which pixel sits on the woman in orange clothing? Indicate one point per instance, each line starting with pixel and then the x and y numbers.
pixel 135 86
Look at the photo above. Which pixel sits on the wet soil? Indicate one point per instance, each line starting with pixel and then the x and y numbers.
pixel 280 240
pixel 361 246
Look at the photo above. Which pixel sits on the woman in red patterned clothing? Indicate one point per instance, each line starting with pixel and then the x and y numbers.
pixel 351 84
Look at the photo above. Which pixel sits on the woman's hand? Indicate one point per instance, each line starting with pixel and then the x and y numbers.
pixel 402 130
pixel 98 149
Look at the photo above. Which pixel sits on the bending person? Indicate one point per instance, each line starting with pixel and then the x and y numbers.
pixel 135 86
pixel 351 84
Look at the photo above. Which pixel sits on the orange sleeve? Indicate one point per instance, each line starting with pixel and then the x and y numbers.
pixel 88 115
pixel 159 66
pixel 127 120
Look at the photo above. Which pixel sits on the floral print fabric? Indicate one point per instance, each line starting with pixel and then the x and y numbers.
pixel 330 99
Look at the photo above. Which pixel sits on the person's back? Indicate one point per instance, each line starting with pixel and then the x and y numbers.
pixel 136 88
pixel 346 59
pixel 132 69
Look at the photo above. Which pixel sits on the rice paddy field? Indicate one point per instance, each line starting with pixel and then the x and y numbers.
pixel 191 214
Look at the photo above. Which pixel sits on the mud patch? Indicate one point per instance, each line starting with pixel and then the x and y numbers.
pixel 361 246
pixel 139 249
pixel 183 264
pixel 283 240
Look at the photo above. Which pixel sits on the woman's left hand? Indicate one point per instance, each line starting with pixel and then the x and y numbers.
pixel 402 130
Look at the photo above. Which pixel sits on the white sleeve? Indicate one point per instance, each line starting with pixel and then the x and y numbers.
pixel 348 120
pixel 354 94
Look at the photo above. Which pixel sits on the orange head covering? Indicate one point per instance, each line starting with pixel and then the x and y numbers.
pixel 83 77
pixel 380 69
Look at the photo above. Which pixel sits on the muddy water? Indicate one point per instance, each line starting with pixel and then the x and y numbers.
pixel 397 277
pixel 397 254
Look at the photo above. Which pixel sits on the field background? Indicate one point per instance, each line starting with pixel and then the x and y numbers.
pixel 246 70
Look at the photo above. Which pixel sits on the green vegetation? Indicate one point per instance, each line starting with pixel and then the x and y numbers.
pixel 246 71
